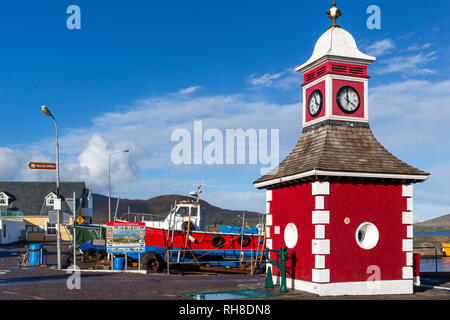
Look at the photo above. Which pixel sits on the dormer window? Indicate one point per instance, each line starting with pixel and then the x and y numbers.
pixel 49 199
pixel 4 199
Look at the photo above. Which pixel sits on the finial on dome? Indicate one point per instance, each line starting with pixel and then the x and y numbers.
pixel 333 14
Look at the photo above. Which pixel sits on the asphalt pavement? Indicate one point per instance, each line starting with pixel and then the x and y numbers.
pixel 47 283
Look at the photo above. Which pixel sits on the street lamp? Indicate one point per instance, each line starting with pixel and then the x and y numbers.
pixel 47 112
pixel 109 181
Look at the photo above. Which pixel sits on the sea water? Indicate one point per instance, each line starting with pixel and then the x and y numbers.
pixel 441 264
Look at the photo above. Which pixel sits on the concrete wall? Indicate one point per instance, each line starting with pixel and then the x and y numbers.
pixel 11 231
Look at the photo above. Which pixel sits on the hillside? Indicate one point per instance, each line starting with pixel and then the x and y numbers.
pixel 439 222
pixel 160 206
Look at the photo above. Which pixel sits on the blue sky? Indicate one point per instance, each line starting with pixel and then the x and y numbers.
pixel 138 70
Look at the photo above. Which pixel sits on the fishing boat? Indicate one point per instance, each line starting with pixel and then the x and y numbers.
pixel 181 239
pixel 446 248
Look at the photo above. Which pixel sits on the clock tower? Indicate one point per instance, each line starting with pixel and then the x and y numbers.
pixel 340 202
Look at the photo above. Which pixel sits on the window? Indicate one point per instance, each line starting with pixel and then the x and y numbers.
pixel 49 199
pixel 35 229
pixel 194 212
pixel 183 212
pixel 51 229
pixel 290 235
pixel 3 199
pixel 4 230
pixel 367 235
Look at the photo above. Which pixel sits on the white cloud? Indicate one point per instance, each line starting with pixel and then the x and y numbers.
pixel 380 47
pixel 11 163
pixel 285 80
pixel 417 47
pixel 411 120
pixel 411 65
pixel 92 164
pixel 189 90
pixel 265 80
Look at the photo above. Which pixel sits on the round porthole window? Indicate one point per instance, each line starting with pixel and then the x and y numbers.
pixel 290 235
pixel 367 235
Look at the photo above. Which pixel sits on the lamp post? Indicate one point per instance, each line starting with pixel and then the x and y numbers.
pixel 47 112
pixel 109 181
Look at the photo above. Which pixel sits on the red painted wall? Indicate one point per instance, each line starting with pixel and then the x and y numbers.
pixel 294 204
pixel 381 205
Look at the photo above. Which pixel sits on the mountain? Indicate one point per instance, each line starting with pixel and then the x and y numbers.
pixel 159 208
pixel 442 222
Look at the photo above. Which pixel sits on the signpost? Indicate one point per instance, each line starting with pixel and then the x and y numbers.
pixel 42 166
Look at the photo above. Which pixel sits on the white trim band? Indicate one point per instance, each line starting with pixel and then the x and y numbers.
pixel 315 172
pixel 368 288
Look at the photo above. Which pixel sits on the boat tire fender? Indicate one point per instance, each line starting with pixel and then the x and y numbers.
pixel 245 240
pixel 217 241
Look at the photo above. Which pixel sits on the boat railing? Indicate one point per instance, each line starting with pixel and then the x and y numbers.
pixel 140 217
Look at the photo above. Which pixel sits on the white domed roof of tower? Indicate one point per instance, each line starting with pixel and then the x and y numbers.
pixel 336 44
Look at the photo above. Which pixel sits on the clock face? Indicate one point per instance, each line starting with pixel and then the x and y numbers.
pixel 315 103
pixel 348 99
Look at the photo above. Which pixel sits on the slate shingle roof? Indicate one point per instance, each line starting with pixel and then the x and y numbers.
pixel 340 147
pixel 29 197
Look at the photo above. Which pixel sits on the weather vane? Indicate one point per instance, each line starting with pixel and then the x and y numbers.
pixel 333 14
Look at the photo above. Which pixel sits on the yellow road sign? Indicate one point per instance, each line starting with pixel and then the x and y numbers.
pixel 80 220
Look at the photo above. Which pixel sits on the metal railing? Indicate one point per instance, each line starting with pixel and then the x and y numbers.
pixel 435 256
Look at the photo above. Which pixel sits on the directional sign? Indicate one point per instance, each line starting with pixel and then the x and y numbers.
pixel 79 220
pixel 42 166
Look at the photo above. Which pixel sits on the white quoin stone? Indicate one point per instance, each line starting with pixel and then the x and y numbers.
pixel 320 217
pixel 268 195
pixel 407 190
pixel 407 245
pixel 319 231
pixel 320 188
pixel 319 261
pixel 321 246
pixel 407 217
pixel 409 258
pixel 269 220
pixel 409 204
pixel 409 231
pixel 320 202
pixel 407 272
pixel 321 275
